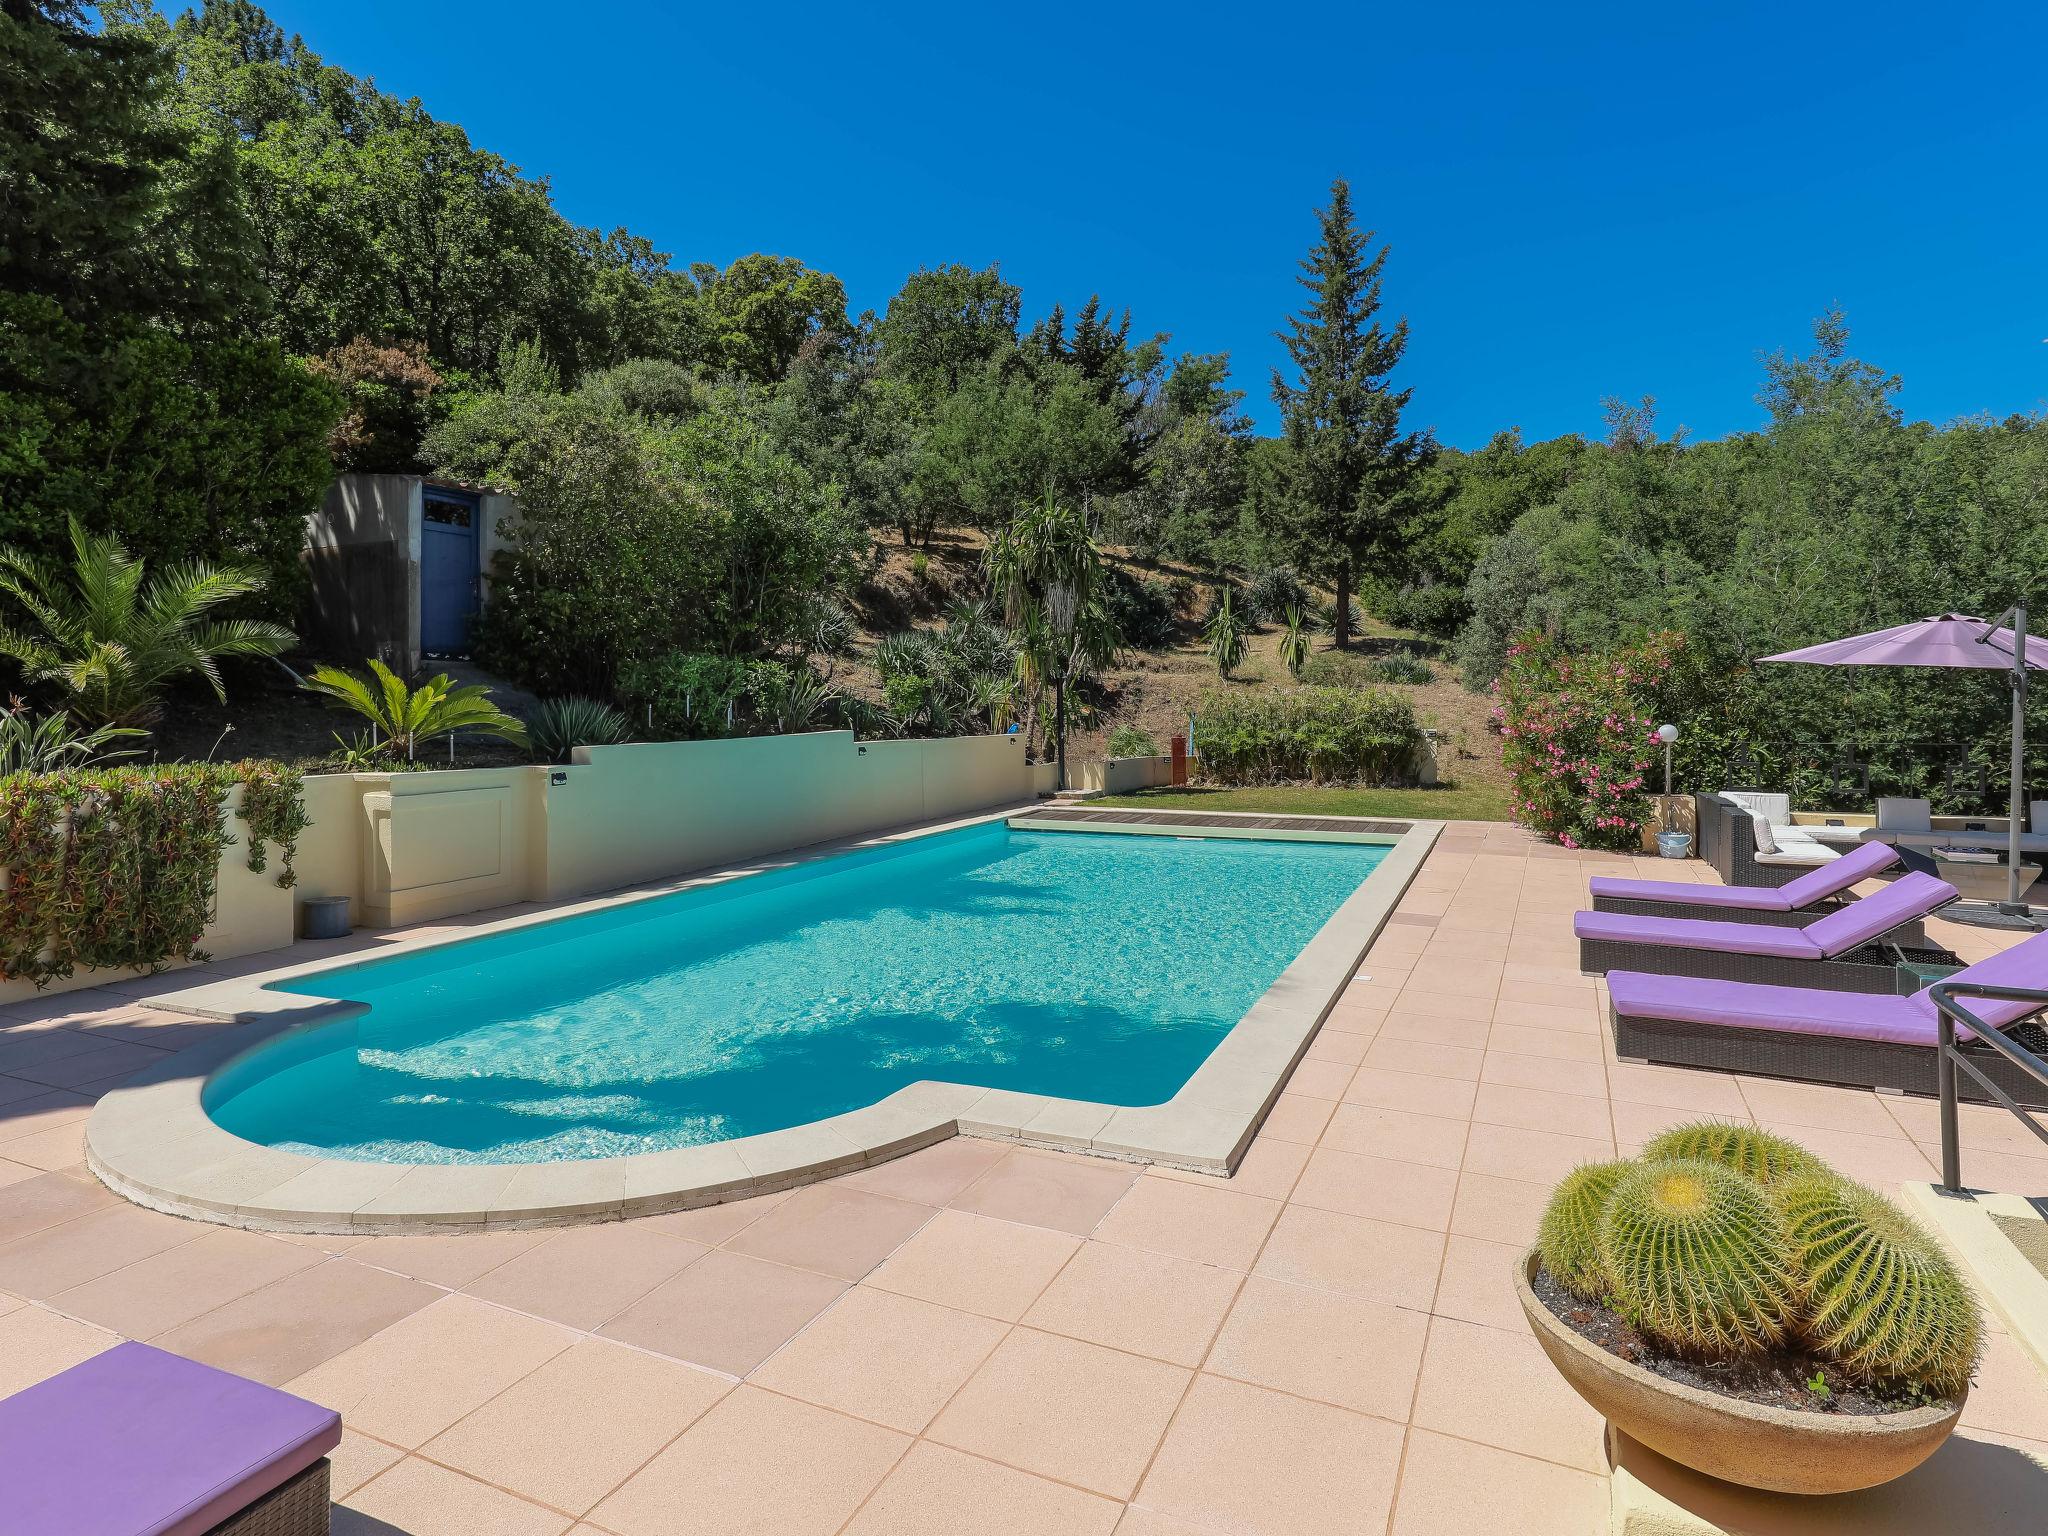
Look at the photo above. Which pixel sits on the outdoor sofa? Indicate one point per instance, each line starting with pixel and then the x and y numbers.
pixel 140 1442
pixel 1846 951
pixel 1815 894
pixel 1828 1037
pixel 1907 822
pixel 1735 826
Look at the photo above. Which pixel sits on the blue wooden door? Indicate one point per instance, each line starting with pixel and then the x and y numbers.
pixel 449 568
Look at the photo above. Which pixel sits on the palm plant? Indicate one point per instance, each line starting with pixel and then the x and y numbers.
pixel 111 637
pixel 408 718
pixel 1226 636
pixel 1294 642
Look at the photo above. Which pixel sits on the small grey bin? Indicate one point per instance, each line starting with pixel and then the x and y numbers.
pixel 324 917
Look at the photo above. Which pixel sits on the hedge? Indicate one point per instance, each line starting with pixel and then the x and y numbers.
pixel 1312 735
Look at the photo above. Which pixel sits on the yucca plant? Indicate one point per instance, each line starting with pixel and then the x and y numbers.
pixel 110 636
pixel 559 726
pixel 409 718
pixel 1226 635
pixel 1878 1294
pixel 1754 1153
pixel 1295 642
pixel 32 743
pixel 802 700
pixel 1696 1257
pixel 1569 1238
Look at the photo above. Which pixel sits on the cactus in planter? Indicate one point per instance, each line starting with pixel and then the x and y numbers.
pixel 1879 1295
pixel 1569 1240
pixel 1695 1254
pixel 1756 1154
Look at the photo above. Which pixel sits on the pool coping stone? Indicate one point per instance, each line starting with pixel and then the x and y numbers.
pixel 151 1140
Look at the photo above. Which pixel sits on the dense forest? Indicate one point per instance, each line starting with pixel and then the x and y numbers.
pixel 230 269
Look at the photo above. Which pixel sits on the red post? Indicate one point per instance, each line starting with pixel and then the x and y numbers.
pixel 1180 760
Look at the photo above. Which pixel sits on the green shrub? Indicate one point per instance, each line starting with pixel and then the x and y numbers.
pixel 1130 741
pixel 1879 1296
pixel 1269 593
pixel 1696 1257
pixel 1315 735
pixel 1437 608
pixel 1400 667
pixel 688 695
pixel 1748 1151
pixel 560 726
pixel 1569 1238
pixel 1144 612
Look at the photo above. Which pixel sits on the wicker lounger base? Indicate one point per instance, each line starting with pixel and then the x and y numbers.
pixel 1822 1058
pixel 1872 968
pixel 300 1507
pixel 1911 934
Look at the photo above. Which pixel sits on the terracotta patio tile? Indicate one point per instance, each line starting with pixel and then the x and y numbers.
pixel 2027 1176
pixel 1884 1161
pixel 36 1343
pixel 833 1230
pixel 1349 1350
pixel 1268 1169
pixel 1535 1109
pixel 60 1147
pixel 1496 1386
pixel 1817 1107
pixel 1559 1044
pixel 1546 1074
pixel 1319 1079
pixel 1413 1194
pixel 885 1358
pixel 1477 1283
pixel 1454 977
pixel 725 1311
pixel 1419 1003
pixel 452 1261
pixel 45 1111
pixel 418 1376
pixel 1393 1133
pixel 756 1465
pixel 1579 1020
pixel 1048 1190
pixel 1258 1463
pixel 1540 1157
pixel 1453 1488
pixel 355 1461
pixel 585 1276
pixel 1471 1033
pixel 713 1224
pixel 43 1200
pixel 931 1175
pixel 1635 1124
pixel 2010 1395
pixel 1706 1093
pixel 1330 1251
pixel 1498 1210
pixel 937 1491
pixel 1554 994
pixel 1210 1225
pixel 86 1247
pixel 417 1496
pixel 1132 1299
pixel 293 1324
pixel 1296 1118
pixel 1065 1410
pixel 1458 1061
pixel 1345 1050
pixel 180 1283
pixel 976 1264
pixel 1139 1521
pixel 1414 1092
pixel 579 1425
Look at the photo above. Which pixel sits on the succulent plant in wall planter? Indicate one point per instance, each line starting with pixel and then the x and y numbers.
pixel 1733 1303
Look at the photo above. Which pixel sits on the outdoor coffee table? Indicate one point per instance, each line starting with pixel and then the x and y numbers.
pixel 1980 875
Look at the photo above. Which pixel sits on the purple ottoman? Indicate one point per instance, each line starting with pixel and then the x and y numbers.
pixel 137 1442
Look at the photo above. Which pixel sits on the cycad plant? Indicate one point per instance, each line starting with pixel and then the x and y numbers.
pixel 1294 642
pixel 111 636
pixel 1226 635
pixel 409 718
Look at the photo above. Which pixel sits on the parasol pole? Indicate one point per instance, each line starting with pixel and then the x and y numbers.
pixel 2012 905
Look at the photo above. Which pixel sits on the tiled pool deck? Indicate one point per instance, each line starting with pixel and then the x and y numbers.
pixel 978 1338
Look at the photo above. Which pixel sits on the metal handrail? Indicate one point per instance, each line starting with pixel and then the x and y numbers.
pixel 1948 1056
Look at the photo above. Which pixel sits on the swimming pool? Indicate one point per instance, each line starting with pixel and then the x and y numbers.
pixel 1070 964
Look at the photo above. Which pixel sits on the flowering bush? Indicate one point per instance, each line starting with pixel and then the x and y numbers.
pixel 1578 735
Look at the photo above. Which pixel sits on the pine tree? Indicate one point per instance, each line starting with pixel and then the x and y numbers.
pixel 1348 457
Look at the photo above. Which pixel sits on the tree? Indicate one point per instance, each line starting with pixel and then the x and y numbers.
pixel 388 390
pixel 1348 455
pixel 756 315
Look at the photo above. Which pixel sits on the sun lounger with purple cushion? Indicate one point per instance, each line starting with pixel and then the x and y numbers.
pixel 138 1442
pixel 1840 952
pixel 1813 895
pixel 1826 1037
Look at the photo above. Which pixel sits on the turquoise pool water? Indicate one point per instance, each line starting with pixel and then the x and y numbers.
pixel 1083 965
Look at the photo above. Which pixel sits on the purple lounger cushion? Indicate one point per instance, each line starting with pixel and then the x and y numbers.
pixel 1831 879
pixel 1798 1010
pixel 138 1442
pixel 1873 916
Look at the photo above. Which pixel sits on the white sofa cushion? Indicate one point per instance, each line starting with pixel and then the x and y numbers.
pixel 1766 834
pixel 1796 847
pixel 1902 813
pixel 1776 809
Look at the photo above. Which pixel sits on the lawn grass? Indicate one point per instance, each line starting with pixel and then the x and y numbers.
pixel 1478 802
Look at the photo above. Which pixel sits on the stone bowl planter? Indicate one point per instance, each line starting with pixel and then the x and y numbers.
pixel 1784 1450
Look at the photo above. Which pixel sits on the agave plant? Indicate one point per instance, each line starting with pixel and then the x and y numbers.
pixel 111 636
pixel 408 718
pixel 32 743
pixel 802 700
pixel 561 725
pixel 1226 636
pixel 1295 642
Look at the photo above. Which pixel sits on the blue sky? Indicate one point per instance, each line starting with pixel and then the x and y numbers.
pixel 1582 200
